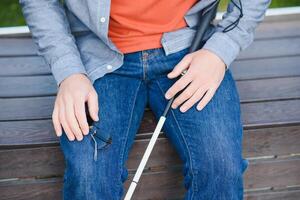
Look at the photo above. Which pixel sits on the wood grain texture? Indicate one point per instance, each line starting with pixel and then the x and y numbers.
pixel 48 189
pixel 287 194
pixel 48 161
pixel 254 114
pixel 242 69
pixel 249 90
pixel 284 47
pixel 23 66
pixel 160 185
pixel 266 68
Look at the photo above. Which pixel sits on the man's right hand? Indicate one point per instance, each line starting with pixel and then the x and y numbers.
pixel 69 108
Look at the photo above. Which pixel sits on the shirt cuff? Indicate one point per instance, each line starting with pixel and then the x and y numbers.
pixel 223 46
pixel 65 66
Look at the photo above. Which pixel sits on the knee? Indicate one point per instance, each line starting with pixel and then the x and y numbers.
pixel 78 157
pixel 229 168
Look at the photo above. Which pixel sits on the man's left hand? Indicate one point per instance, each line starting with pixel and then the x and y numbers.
pixel 205 72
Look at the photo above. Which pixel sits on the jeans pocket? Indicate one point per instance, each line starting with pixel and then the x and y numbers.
pixel 99 139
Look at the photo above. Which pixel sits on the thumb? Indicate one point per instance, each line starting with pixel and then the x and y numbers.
pixel 182 65
pixel 92 102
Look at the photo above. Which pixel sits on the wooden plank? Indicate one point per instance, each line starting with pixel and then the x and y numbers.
pixel 158 186
pixel 257 142
pixel 271 141
pixel 23 66
pixel 27 133
pixel 274 195
pixel 250 90
pixel 266 68
pixel 269 89
pixel 17 47
pixel 242 69
pixel 270 113
pixel 281 18
pixel 254 114
pixel 27 86
pixel 170 183
pixel 48 189
pixel 31 162
pixel 275 173
pixel 41 132
pixel 26 108
pixel 48 161
pixel 276 29
pixel 272 48
pixel 266 48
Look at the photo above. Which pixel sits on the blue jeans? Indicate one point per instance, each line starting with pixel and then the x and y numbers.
pixel 209 142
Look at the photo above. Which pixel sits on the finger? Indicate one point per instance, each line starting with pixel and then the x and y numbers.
pixel 196 97
pixel 93 105
pixel 80 114
pixel 207 97
pixel 186 94
pixel 55 121
pixel 72 122
pixel 182 65
pixel 64 123
pixel 179 85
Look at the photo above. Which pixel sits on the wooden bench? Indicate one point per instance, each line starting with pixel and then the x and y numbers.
pixel 268 79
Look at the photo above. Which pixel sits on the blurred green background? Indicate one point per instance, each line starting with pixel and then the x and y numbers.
pixel 11 15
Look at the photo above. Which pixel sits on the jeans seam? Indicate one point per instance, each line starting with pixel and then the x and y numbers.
pixel 127 131
pixel 187 147
pixel 144 63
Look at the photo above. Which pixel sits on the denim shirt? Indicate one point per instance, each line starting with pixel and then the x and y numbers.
pixel 73 37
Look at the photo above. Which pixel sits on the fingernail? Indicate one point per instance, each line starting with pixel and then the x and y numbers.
pixel 167 96
pixel 183 109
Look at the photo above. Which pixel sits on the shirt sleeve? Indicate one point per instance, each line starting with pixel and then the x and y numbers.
pixel 51 32
pixel 227 45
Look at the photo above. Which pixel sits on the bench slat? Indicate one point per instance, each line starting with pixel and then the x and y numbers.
pixel 242 69
pixel 169 183
pixel 254 114
pixel 266 48
pixel 50 189
pixel 249 90
pixel 48 161
pixel 257 142
pixel 266 68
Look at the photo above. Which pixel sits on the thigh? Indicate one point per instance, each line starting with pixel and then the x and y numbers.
pixel 210 140
pixel 99 169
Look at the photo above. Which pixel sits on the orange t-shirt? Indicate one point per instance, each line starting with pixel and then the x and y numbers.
pixel 139 25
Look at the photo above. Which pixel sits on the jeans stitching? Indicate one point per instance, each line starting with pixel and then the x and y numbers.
pixel 181 134
pixel 127 131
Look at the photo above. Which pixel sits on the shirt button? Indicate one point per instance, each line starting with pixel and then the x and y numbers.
pixel 109 67
pixel 102 19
